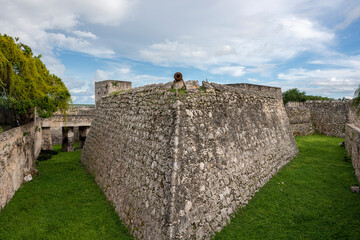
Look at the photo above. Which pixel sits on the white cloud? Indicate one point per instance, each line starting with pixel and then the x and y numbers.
pixel 251 39
pixel 74 90
pixel 235 71
pixel 123 70
pixel 230 32
pixel 337 81
pixel 106 12
pixel 54 65
pixel 84 34
pixel 254 80
pixel 101 75
pixel 352 15
pixel 304 29
pixel 226 50
pixel 172 52
pixel 45 25
pixel 230 37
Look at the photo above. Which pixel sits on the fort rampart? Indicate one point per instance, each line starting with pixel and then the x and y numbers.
pixel 325 117
pixel 19 147
pixel 352 144
pixel 178 165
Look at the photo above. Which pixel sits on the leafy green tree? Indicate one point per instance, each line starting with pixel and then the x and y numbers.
pixel 26 83
pixel 293 95
pixel 311 97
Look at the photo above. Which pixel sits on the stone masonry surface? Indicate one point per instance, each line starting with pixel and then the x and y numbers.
pixel 19 147
pixel 328 117
pixel 106 87
pixel 177 166
pixel 352 144
pixel 325 117
pixel 274 92
pixel 75 117
pixel 299 118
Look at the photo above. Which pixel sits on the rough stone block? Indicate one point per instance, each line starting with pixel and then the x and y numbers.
pixel 192 85
pixel 83 132
pixel 46 139
pixel 177 166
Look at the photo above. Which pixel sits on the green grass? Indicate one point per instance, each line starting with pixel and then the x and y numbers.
pixel 63 202
pixel 309 198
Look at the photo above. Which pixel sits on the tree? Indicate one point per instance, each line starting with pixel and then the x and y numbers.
pixel 26 83
pixel 293 95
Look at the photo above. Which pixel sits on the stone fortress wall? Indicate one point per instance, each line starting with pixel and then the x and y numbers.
pixel 299 118
pixel 325 117
pixel 270 91
pixel 178 165
pixel 106 87
pixel 352 144
pixel 77 116
pixel 19 148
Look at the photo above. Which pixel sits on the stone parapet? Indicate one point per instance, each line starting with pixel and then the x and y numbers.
pixel 325 117
pixel 178 165
pixel 19 148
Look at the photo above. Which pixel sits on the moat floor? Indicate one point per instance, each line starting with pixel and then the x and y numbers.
pixel 309 198
pixel 63 202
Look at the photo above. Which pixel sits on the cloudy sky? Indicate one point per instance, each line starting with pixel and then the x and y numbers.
pixel 307 44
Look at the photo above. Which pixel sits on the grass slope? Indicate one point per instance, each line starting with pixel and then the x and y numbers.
pixel 63 202
pixel 309 198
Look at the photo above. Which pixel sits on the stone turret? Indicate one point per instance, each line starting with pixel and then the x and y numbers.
pixel 106 87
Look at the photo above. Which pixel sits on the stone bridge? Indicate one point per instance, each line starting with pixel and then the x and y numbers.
pixel 66 130
pixel 76 124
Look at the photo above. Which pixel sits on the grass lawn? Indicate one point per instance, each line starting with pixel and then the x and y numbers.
pixel 308 199
pixel 63 202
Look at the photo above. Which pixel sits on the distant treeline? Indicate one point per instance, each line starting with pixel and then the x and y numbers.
pixel 294 95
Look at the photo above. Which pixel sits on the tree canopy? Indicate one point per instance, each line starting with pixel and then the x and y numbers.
pixel 25 82
pixel 295 95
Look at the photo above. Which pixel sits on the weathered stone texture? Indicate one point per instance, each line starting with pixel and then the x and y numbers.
pixel 46 139
pixel 83 132
pixel 352 144
pixel 299 119
pixel 353 114
pixel 192 85
pixel 129 149
pixel 274 92
pixel 19 147
pixel 106 87
pixel 325 117
pixel 328 117
pixel 68 139
pixel 177 167
pixel 76 117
